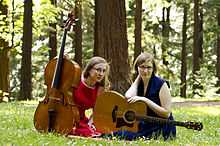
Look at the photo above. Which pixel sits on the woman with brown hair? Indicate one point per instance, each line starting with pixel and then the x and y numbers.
pixel 154 91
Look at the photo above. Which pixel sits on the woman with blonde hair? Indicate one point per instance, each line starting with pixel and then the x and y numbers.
pixel 94 81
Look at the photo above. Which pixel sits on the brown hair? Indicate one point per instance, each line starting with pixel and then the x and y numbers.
pixel 92 62
pixel 142 58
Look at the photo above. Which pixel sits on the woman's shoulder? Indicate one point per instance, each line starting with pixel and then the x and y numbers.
pixel 158 79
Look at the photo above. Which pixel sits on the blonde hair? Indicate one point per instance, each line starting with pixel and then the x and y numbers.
pixel 92 62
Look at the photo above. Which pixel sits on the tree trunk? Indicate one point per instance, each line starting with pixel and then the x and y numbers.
pixel 78 32
pixel 184 54
pixel 218 52
pixel 52 41
pixel 200 43
pixel 111 40
pixel 13 23
pixel 138 28
pixel 197 46
pixel 26 71
pixel 165 34
pixel 53 37
pixel 4 56
pixel 4 69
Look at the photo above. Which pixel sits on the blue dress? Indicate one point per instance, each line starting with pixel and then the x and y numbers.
pixel 150 130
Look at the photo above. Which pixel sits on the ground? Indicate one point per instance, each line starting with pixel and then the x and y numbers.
pixel 197 103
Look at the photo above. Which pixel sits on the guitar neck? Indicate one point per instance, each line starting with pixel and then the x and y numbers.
pixel 160 120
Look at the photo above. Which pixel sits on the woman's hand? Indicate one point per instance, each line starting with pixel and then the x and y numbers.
pixel 136 98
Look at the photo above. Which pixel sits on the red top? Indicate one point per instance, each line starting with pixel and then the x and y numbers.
pixel 85 97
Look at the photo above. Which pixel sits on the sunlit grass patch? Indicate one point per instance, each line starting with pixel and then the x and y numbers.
pixel 198 111
pixel 208 110
pixel 180 99
pixel 209 116
pixel 16 128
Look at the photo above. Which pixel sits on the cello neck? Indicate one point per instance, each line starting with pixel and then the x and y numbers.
pixel 58 69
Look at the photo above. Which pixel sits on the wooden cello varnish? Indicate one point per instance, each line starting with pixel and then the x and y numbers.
pixel 58 112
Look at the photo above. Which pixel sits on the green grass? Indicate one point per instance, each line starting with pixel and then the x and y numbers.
pixel 180 99
pixel 17 129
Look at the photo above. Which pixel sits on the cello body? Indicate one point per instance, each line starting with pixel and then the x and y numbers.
pixel 58 112
pixel 66 112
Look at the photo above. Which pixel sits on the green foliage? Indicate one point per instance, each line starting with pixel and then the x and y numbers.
pixel 205 80
pixel 45 13
pixel 212 3
pixel 40 59
pixel 88 19
pixel 4 28
pixel 17 127
pixel 42 16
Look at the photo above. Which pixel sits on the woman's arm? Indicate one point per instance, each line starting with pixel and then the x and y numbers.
pixel 165 99
pixel 100 90
pixel 132 91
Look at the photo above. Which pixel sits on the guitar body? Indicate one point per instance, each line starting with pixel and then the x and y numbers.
pixel 110 111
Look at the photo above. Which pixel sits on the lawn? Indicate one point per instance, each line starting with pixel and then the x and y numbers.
pixel 17 129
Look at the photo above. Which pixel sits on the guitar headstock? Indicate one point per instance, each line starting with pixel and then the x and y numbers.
pixel 194 125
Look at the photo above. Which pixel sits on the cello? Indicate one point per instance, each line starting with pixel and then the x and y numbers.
pixel 58 112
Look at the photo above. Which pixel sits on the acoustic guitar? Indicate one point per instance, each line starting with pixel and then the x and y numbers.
pixel 112 112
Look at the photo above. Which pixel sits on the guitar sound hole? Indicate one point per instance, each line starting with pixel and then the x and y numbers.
pixel 130 116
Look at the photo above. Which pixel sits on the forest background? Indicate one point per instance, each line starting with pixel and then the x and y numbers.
pixel 182 35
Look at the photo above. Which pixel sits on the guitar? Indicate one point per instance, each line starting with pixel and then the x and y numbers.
pixel 112 112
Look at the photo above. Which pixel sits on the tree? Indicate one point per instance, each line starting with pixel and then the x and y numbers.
pixel 165 32
pixel 4 53
pixel 78 32
pixel 111 40
pixel 138 28
pixel 184 53
pixel 26 71
pixel 53 36
pixel 200 39
pixel 197 44
pixel 4 69
pixel 218 51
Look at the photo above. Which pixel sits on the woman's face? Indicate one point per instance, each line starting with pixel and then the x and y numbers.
pixel 145 70
pixel 97 73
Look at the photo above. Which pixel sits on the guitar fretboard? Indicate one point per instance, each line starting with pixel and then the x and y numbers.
pixel 160 120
